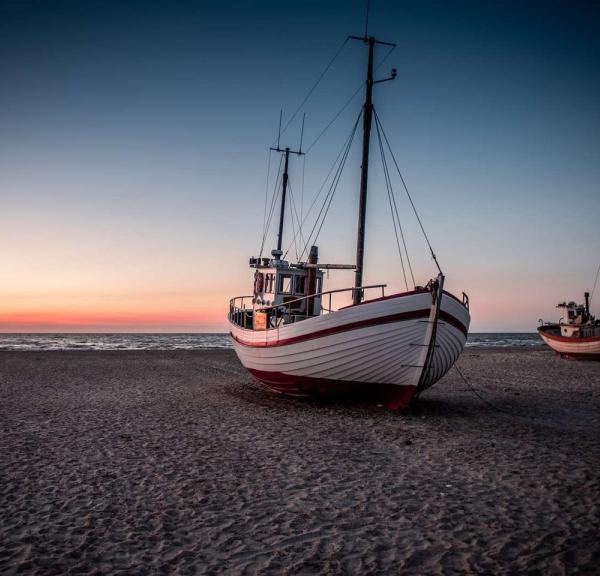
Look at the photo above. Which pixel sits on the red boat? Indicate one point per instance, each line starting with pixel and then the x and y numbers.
pixel 577 333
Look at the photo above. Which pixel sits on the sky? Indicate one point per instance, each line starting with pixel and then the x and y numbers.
pixel 134 153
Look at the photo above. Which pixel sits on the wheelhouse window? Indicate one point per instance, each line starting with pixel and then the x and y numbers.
pixel 269 283
pixel 299 285
pixel 285 283
pixel 319 287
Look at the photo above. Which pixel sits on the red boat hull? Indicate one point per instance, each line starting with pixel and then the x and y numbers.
pixel 390 395
pixel 580 348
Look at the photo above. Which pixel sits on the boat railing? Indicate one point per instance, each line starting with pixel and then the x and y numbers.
pixel 288 304
pixel 238 313
pixel 465 300
pixel 242 315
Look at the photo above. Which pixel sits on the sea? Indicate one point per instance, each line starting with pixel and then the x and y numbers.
pixel 205 341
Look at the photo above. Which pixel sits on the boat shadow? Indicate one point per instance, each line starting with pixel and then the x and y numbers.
pixel 464 406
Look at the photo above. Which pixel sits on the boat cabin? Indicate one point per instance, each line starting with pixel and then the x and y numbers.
pixel 282 290
pixel 575 317
pixel 284 293
pixel 572 313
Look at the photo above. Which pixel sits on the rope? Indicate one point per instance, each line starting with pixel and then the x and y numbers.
pixel 476 393
pixel 493 406
pixel 408 193
pixel 339 50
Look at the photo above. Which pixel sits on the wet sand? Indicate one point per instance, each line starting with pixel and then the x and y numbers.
pixel 178 462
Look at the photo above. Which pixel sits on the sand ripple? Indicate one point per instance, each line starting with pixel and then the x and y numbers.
pixel 178 463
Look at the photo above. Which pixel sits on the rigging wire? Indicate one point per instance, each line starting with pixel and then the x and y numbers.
pixel 339 50
pixel 407 192
pixel 293 211
pixel 331 170
pixel 322 187
pixel 272 208
pixel 390 50
pixel 388 186
pixel 347 103
pixel 386 176
pixel 337 115
pixel 331 122
pixel 393 198
pixel 595 282
pixel 276 190
pixel 297 220
pixel 302 193
pixel 266 195
pixel 332 189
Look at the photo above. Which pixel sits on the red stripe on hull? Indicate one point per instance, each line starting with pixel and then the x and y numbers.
pixel 412 315
pixel 390 395
pixel 571 339
pixel 454 322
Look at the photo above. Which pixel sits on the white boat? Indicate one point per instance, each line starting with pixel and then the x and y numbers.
pixel 385 348
pixel 577 333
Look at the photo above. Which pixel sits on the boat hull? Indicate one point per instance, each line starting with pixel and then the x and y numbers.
pixel 571 347
pixel 374 351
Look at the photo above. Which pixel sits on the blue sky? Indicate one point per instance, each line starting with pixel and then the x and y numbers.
pixel 135 135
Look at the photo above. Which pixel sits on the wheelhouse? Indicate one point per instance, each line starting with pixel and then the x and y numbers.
pixel 282 293
pixel 281 285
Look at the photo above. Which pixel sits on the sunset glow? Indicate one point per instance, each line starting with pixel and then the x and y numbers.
pixel 158 314
pixel 133 157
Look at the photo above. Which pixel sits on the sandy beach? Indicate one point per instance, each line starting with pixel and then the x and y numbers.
pixel 179 463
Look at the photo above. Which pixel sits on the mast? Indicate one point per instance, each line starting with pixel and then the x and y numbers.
pixel 364 175
pixel 282 214
pixel 277 253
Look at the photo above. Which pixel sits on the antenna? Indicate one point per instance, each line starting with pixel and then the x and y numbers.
pixel 302 132
pixel 279 131
pixel 367 18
